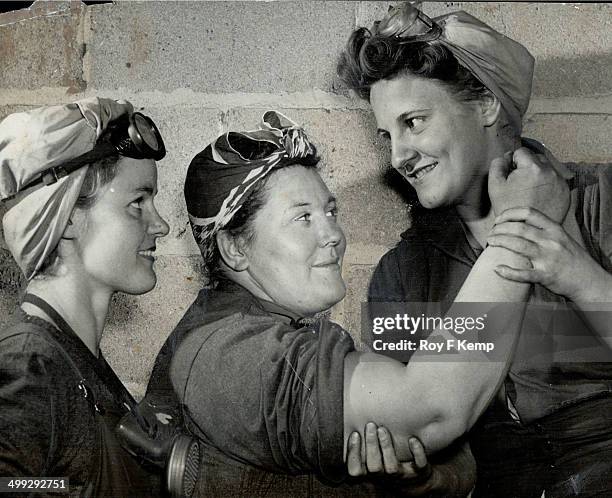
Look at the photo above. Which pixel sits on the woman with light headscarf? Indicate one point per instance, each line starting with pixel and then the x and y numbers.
pixel 267 387
pixel 449 94
pixel 83 225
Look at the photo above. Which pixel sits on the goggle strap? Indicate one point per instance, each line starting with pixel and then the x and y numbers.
pixel 52 175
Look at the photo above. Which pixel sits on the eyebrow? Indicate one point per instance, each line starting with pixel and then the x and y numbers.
pixel 404 115
pixel 330 200
pixel 146 190
pixel 410 114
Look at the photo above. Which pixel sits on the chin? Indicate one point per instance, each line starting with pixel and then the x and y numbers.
pixel 324 300
pixel 141 287
pixel 432 200
pixel 336 294
pixel 428 203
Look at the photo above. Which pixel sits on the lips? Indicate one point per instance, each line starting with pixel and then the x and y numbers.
pixel 421 171
pixel 332 262
pixel 147 253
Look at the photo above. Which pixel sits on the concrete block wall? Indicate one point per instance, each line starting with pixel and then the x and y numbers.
pixel 201 68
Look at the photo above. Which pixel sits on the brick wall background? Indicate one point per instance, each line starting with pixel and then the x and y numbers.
pixel 201 68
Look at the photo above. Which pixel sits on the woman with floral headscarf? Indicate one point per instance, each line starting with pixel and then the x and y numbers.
pixel 82 226
pixel 449 94
pixel 269 389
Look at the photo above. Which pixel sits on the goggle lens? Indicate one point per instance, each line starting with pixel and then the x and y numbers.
pixel 146 131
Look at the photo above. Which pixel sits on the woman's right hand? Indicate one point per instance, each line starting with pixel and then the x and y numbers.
pixel 533 183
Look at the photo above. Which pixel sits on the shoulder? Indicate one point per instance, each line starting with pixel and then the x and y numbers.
pixel 33 367
pixel 233 348
pixel 404 263
pixel 244 354
pixel 32 390
pixel 594 179
pixel 592 189
pixel 27 345
pixel 221 334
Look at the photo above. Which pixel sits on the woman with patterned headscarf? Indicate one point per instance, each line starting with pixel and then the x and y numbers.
pixel 267 387
pixel 82 226
pixel 449 95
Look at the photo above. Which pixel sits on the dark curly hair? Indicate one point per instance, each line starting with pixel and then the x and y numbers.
pixel 369 58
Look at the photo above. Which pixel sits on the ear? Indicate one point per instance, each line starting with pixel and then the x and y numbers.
pixel 75 225
pixel 491 110
pixel 232 251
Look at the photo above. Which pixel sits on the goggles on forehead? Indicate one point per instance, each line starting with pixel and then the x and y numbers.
pixel 408 24
pixel 134 136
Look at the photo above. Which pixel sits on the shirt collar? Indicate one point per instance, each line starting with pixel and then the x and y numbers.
pixel 285 315
pixel 443 229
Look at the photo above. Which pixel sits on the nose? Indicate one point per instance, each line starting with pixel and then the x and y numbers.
pixel 331 233
pixel 158 227
pixel 403 154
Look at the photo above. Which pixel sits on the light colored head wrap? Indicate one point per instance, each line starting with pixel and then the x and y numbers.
pixel 32 142
pixel 501 64
pixel 221 177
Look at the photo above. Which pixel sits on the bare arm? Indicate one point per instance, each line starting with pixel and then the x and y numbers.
pixel 437 401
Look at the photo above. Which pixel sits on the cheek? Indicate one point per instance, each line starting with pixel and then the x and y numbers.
pixel 118 240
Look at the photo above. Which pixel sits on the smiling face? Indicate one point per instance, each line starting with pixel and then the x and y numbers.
pixel 441 145
pixel 115 238
pixel 295 257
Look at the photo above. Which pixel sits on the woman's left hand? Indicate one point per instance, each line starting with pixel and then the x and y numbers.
pixel 453 473
pixel 559 263
pixel 380 457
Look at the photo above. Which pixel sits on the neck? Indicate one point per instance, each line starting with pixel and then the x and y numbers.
pixel 83 308
pixel 244 279
pixel 475 209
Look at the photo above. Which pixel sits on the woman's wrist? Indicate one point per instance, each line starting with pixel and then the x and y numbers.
pixel 594 289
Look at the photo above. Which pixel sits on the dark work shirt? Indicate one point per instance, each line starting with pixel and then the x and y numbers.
pixel 47 425
pixel 263 392
pixel 434 258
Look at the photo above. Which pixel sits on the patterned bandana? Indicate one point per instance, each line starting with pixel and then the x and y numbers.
pixel 221 177
pixel 501 64
pixel 30 143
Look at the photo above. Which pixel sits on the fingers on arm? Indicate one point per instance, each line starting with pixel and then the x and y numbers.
pixel 515 243
pixel 381 458
pixel 528 215
pixel 374 461
pixel 389 457
pixel 418 453
pixel 379 452
pixel 354 462
pixel 517 275
pixel 500 167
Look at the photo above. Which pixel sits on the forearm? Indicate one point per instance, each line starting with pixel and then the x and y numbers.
pixel 423 399
pixel 468 381
pixel 498 289
pixel 440 400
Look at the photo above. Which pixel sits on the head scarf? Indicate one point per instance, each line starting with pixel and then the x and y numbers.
pixel 221 177
pixel 501 64
pixel 32 142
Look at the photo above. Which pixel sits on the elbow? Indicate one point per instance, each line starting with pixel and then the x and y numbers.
pixel 444 428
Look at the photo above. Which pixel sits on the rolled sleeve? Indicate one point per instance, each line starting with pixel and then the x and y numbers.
pixel 265 393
